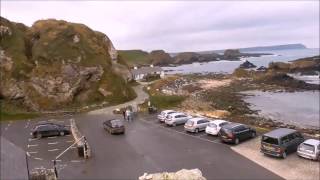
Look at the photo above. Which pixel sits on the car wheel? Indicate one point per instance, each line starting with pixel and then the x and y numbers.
pixel 39 135
pixel 197 130
pixel 253 134
pixel 236 141
pixel 61 133
pixel 284 155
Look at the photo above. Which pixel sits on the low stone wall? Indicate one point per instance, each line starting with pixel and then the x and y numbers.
pixel 77 136
pixel 184 174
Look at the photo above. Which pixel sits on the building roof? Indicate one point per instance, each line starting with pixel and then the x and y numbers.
pixel 146 70
pixel 280 132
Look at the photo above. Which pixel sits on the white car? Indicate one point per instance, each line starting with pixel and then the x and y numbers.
pixel 177 119
pixel 309 149
pixel 214 127
pixel 162 116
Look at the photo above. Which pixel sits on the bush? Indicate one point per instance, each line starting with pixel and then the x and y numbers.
pixel 165 101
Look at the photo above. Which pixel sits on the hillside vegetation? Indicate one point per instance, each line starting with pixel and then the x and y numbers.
pixel 57 65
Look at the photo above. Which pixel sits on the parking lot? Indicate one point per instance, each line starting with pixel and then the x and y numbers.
pixel 147 146
pixel 41 152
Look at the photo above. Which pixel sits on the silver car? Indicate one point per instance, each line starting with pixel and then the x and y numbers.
pixel 309 149
pixel 196 124
pixel 177 119
pixel 162 116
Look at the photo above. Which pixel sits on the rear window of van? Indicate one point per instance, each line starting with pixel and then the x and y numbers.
pixel 270 140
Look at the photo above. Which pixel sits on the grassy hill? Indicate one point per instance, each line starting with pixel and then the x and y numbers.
pixel 56 65
pixel 135 57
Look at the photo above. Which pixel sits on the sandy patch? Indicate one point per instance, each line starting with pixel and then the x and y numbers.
pixel 210 83
pixel 293 167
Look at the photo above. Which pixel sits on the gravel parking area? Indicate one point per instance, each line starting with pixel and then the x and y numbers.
pixel 293 167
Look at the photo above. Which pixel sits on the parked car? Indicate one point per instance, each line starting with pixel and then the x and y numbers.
pixel 214 127
pixel 196 124
pixel 177 119
pixel 309 149
pixel 49 129
pixel 281 142
pixel 162 116
pixel 235 132
pixel 114 126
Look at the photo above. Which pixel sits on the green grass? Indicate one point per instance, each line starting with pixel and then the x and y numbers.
pixel 4 116
pixel 166 101
pixel 135 57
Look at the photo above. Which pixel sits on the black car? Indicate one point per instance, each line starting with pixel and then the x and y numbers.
pixel 235 132
pixel 281 142
pixel 114 126
pixel 49 129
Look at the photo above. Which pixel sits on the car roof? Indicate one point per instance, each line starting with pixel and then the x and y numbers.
pixel 177 113
pixel 231 125
pixel 166 111
pixel 280 132
pixel 197 119
pixel 218 121
pixel 113 120
pixel 314 142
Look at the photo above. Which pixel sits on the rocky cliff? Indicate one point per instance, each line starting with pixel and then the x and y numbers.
pixel 57 64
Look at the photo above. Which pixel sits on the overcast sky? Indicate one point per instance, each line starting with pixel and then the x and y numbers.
pixel 182 26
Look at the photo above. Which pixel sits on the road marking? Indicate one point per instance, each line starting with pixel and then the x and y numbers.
pixel 51 150
pixel 73 147
pixel 32 139
pixel 68 135
pixel 75 161
pixel 202 135
pixel 57 160
pixel 51 120
pixel 38 158
pixel 53 143
pixel 52 137
pixel 34 152
pixel 32 145
pixel 69 141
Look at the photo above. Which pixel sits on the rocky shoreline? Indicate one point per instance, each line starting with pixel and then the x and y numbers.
pixel 221 95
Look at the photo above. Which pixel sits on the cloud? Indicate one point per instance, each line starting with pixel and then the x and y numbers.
pixel 183 26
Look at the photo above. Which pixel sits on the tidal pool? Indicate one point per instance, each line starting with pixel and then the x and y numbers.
pixel 297 108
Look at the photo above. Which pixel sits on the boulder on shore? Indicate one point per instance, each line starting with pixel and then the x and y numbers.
pixel 184 174
pixel 247 65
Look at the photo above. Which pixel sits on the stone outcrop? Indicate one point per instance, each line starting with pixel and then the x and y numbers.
pixel 184 174
pixel 160 57
pixel 247 65
pixel 55 64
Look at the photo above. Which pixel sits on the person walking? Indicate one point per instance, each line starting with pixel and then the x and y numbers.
pixel 128 115
pixel 124 114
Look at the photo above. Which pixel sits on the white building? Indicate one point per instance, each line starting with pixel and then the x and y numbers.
pixel 141 73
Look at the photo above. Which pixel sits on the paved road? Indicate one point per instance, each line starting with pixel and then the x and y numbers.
pixel 150 147
pixel 141 97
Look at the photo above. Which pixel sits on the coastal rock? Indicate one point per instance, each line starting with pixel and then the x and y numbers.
pixel 184 174
pixel 247 65
pixel 4 30
pixel 5 61
pixel 160 57
pixel 231 54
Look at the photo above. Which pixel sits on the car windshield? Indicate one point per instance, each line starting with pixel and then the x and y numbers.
pixel 212 125
pixel 270 140
pixel 189 123
pixel 116 123
pixel 307 147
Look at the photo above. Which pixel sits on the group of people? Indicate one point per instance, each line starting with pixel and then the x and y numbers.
pixel 127 115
